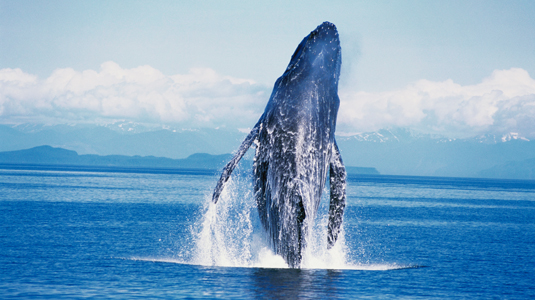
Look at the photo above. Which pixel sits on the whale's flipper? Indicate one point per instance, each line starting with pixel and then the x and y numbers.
pixel 225 175
pixel 338 196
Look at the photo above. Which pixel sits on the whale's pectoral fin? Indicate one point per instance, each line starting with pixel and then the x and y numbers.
pixel 225 175
pixel 337 176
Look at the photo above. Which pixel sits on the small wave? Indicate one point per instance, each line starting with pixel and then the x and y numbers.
pixel 157 259
pixel 277 262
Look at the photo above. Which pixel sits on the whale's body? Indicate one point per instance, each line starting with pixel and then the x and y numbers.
pixel 296 147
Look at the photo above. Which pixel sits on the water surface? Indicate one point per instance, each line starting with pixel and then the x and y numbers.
pixel 78 234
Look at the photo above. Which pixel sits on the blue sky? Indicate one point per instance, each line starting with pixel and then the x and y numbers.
pixel 458 68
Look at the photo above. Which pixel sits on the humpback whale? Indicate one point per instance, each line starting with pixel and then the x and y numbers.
pixel 296 148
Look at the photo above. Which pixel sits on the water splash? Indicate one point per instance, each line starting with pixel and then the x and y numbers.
pixel 226 236
pixel 230 234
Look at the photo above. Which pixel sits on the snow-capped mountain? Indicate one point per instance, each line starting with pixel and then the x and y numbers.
pixel 391 135
pixel 494 138
pixel 408 135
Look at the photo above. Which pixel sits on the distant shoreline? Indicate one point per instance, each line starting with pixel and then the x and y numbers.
pixel 118 169
pixel 109 169
pixel 47 158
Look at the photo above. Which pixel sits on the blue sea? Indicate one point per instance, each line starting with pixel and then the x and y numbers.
pixel 100 233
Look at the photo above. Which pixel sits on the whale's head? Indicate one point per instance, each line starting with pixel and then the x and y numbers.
pixel 318 56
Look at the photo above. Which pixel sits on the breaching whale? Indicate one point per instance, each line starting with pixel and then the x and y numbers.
pixel 296 147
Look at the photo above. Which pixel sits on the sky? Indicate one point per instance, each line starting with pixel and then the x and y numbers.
pixel 455 68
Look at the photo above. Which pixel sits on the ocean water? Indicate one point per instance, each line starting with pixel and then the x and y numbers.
pixel 101 234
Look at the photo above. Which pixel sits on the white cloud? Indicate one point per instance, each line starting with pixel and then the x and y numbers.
pixel 200 98
pixel 503 102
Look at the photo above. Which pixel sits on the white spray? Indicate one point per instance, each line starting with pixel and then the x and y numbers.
pixel 230 234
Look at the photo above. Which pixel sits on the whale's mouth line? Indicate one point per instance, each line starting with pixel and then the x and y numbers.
pixel 348 267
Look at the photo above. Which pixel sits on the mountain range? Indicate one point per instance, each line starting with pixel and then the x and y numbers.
pixel 48 157
pixel 402 152
pixel 394 152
